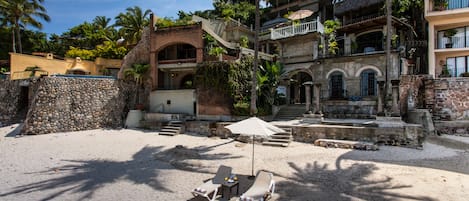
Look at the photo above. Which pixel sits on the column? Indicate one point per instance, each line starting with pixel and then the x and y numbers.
pixel 395 97
pixel 317 94
pixel 308 94
pixel 154 70
pixel 380 111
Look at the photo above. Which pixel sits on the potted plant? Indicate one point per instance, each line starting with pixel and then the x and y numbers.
pixel 445 72
pixel 465 74
pixel 449 34
pixel 440 5
pixel 139 72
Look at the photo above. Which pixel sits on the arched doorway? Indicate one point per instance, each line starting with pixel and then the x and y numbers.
pixel 297 89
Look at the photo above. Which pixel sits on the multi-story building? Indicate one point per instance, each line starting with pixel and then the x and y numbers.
pixel 448 25
pixel 345 82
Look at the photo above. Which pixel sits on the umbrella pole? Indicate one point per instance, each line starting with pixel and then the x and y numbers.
pixel 252 165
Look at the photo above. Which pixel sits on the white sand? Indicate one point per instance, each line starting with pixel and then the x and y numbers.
pixel 140 165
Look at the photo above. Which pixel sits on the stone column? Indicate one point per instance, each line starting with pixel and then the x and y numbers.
pixel 395 97
pixel 380 111
pixel 308 94
pixel 317 94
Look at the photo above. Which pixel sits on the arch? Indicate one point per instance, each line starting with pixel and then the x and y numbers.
pixel 335 70
pixel 367 32
pixel 374 68
pixel 368 83
pixel 177 51
pixel 161 44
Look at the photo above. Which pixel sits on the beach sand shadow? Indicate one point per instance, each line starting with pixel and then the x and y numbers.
pixel 319 182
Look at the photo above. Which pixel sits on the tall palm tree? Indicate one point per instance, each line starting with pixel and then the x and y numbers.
pixel 132 23
pixel 19 14
pixel 102 22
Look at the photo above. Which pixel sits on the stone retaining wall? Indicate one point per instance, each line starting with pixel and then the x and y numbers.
pixel 74 104
pixel 448 98
pixel 9 98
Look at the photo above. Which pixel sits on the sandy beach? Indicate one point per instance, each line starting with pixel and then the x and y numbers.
pixel 142 165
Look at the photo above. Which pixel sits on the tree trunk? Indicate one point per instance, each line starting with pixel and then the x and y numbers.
pixel 253 109
pixel 18 37
pixel 13 40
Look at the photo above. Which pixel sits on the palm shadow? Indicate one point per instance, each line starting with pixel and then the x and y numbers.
pixel 319 182
pixel 87 176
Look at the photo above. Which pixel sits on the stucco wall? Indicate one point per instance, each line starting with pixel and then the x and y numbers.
pixel 173 101
pixel 73 104
pixel 19 62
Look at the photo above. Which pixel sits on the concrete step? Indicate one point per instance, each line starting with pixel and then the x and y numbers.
pixel 279 140
pixel 167 133
pixel 276 144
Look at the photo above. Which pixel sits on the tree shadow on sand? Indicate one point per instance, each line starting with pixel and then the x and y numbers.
pixel 87 176
pixel 319 182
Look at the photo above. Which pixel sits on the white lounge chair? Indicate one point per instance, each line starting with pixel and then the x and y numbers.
pixel 211 186
pixel 262 188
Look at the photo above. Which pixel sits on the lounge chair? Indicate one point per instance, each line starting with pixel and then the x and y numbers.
pixel 262 188
pixel 211 186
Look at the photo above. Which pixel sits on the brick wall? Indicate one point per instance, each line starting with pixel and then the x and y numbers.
pixel 448 98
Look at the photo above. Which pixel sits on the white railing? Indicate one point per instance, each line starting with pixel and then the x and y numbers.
pixel 296 29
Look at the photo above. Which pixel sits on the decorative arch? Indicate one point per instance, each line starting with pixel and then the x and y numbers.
pixel 374 68
pixel 335 70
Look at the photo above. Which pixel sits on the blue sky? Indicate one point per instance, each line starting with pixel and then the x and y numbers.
pixel 69 13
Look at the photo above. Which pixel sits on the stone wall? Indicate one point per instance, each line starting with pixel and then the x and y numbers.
pixel 9 97
pixel 413 86
pixel 74 104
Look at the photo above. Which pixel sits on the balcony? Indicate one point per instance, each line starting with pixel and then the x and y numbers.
pixel 443 10
pixel 296 29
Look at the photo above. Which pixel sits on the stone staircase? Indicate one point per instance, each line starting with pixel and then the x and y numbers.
pixel 280 139
pixel 290 112
pixel 173 128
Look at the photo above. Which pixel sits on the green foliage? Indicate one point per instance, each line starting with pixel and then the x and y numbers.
pixel 82 53
pixel 168 22
pixel 241 108
pixel 244 41
pixel 213 75
pixel 242 10
pixel 139 72
pixel 132 23
pixel 330 29
pixel 268 78
pixel 217 51
pixel 450 33
pixel 33 70
pixel 110 50
pixel 3 69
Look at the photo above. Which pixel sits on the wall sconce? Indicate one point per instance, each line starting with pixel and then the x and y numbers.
pixel 318 62
pixel 173 75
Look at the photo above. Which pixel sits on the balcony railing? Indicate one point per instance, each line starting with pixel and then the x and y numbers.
pixel 296 29
pixel 451 5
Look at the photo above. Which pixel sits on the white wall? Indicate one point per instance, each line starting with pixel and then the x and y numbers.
pixel 182 101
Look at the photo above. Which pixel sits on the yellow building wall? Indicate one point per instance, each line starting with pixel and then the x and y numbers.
pixel 19 62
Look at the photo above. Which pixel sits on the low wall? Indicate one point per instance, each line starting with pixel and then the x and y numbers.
pixel 9 98
pixel 74 104
pixel 448 98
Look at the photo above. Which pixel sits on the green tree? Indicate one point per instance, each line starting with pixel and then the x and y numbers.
pixel 268 78
pixel 132 23
pixel 19 14
pixel 330 29
pixel 139 72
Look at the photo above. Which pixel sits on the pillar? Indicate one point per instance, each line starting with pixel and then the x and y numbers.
pixel 395 97
pixel 380 111
pixel 317 94
pixel 154 70
pixel 308 94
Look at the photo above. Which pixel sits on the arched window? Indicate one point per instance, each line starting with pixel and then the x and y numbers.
pixel 336 83
pixel 368 83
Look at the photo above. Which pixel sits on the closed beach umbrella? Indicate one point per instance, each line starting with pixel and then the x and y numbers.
pixel 300 14
pixel 254 127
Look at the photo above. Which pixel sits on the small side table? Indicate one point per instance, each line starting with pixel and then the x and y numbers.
pixel 230 186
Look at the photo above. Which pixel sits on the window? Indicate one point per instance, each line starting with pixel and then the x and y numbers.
pixel 457 38
pixel 457 65
pixel 336 86
pixel 368 83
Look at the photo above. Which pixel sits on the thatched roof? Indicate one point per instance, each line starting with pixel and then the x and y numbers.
pixel 351 5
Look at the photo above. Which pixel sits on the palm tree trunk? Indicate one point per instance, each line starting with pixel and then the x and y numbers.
pixel 253 109
pixel 13 40
pixel 18 37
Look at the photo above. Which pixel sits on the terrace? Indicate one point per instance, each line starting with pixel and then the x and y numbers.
pixel 296 29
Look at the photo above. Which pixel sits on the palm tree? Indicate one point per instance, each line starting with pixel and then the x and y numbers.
pixel 253 108
pixel 139 72
pixel 21 13
pixel 132 23
pixel 102 22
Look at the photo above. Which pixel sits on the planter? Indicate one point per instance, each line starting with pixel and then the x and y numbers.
pixel 449 45
pixel 133 119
